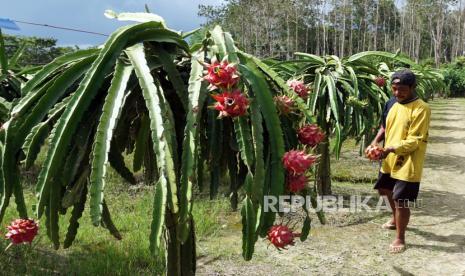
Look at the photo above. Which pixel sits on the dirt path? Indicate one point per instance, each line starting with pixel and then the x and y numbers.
pixel 355 244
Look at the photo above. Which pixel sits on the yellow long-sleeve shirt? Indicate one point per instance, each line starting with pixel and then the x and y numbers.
pixel 407 131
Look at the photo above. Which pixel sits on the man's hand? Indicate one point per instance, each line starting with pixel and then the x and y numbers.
pixel 387 151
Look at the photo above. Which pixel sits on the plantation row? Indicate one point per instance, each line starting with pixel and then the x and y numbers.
pixel 190 115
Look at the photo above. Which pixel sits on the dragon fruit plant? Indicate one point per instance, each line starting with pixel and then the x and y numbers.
pixel 334 82
pixel 145 92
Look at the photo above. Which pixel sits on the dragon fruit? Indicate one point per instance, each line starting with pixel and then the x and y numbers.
pixel 311 135
pixel 281 236
pixel 299 88
pixel 22 231
pixel 221 75
pixel 297 161
pixel 296 183
pixel 374 152
pixel 231 104
pixel 284 104
pixel 380 81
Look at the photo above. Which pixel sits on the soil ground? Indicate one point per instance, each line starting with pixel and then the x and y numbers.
pixel 354 243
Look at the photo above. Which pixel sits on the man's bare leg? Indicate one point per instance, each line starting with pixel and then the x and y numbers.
pixel 402 219
pixel 391 224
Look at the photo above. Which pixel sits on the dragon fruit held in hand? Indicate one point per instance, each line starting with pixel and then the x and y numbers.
pixel 373 152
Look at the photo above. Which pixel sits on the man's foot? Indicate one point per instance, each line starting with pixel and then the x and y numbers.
pixel 390 225
pixel 397 246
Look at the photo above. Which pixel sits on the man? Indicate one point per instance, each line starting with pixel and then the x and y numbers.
pixel 404 129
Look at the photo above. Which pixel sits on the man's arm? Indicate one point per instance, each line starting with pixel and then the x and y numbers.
pixel 417 133
pixel 379 136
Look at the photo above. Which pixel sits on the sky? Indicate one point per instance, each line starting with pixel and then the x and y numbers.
pixel 88 15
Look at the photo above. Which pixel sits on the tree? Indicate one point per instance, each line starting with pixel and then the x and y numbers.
pixel 419 28
pixel 36 50
pixel 12 77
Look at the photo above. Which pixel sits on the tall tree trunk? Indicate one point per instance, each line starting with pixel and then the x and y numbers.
pixel 411 32
pixel 386 30
pixel 325 37
pixel 375 38
pixel 288 38
pixel 462 38
pixel 417 51
pixel 296 46
pixel 343 35
pixel 335 32
pixel 365 23
pixel 402 32
pixel 318 38
pixel 394 41
pixel 350 33
pixel 359 37
pixel 306 39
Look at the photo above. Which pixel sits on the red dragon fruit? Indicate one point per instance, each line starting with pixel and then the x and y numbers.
pixel 22 231
pixel 311 135
pixel 284 104
pixel 380 81
pixel 297 161
pixel 299 88
pixel 231 104
pixel 374 152
pixel 281 236
pixel 296 183
pixel 221 75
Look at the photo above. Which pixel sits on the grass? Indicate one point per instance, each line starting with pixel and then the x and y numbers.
pixel 351 167
pixel 96 252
